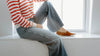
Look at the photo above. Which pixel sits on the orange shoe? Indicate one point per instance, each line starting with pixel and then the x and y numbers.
pixel 67 33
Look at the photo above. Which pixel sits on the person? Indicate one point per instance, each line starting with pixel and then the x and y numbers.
pixel 29 25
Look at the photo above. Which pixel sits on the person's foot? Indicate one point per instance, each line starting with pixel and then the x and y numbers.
pixel 64 32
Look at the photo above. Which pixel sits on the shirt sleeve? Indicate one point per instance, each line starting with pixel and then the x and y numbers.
pixel 16 16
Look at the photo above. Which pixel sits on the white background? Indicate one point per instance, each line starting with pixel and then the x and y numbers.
pixel 6 24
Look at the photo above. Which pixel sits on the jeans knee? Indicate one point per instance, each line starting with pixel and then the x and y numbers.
pixel 54 42
pixel 58 41
pixel 47 2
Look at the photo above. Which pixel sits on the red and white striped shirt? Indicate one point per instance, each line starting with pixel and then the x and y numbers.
pixel 21 11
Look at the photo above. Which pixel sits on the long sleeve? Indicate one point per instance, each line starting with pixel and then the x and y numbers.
pixel 16 16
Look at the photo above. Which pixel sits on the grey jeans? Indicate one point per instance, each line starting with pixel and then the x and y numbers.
pixel 53 41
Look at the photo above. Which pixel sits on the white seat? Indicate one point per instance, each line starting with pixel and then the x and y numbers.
pixel 22 47
pixel 14 46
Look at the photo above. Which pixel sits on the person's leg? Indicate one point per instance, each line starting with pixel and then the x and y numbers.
pixel 54 22
pixel 53 41
pixel 41 14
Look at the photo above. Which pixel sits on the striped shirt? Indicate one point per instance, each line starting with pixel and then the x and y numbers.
pixel 21 11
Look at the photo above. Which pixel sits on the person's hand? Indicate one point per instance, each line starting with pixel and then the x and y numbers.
pixel 39 26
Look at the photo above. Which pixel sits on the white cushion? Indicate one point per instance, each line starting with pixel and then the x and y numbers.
pixel 22 47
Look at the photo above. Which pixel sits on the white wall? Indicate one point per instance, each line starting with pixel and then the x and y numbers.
pixel 5 21
pixel 95 26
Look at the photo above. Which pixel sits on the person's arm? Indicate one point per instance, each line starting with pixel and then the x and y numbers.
pixel 16 15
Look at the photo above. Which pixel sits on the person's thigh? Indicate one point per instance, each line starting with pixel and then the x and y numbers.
pixel 41 14
pixel 40 35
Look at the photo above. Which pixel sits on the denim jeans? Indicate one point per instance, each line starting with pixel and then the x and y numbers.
pixel 52 40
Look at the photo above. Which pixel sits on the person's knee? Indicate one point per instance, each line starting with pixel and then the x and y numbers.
pixel 47 2
pixel 54 42
pixel 58 41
